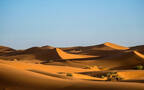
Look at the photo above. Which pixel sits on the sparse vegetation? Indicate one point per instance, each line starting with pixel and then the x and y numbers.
pixel 36 63
pixel 69 74
pixel 15 59
pixel 139 67
pixel 50 61
pixel 113 76
pixel 87 67
pixel 91 67
pixel 61 72
pixel 102 76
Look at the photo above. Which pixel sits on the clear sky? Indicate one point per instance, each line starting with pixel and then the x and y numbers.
pixel 60 23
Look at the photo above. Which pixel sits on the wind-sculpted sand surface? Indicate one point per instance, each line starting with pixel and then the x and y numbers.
pixel 50 68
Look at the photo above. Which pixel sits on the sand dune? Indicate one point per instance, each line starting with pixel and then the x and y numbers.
pixel 17 79
pixel 105 46
pixel 126 59
pixel 49 68
pixel 42 53
pixel 131 74
pixel 50 53
pixel 139 48
pixel 114 46
pixel 106 49
pixel 65 55
pixel 21 78
pixel 4 50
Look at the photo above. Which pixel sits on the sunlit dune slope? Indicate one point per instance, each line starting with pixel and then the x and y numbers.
pixel 49 68
pixel 52 70
pixel 65 55
pixel 131 74
pixel 17 77
pixel 139 54
pixel 115 46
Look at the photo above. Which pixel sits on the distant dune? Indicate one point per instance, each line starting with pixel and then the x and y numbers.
pixel 138 48
pixel 115 46
pixel 42 53
pixel 4 50
pixel 102 50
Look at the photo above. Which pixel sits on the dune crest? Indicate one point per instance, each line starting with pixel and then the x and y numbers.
pixel 65 55
pixel 115 46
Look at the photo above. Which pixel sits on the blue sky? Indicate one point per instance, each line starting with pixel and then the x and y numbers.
pixel 61 23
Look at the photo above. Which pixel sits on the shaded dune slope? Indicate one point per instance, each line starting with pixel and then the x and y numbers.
pixel 42 53
pixel 139 48
pixel 39 53
pixel 127 59
pixel 4 50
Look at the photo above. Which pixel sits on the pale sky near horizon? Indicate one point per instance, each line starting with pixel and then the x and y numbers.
pixel 62 23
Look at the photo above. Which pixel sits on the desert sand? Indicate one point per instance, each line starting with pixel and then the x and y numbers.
pixel 100 67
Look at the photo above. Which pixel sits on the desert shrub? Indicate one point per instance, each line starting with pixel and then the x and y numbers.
pixel 91 67
pixel 139 67
pixel 113 76
pixel 110 73
pixel 87 67
pixel 50 61
pixel 36 63
pixel 69 74
pixel 102 76
pixel 15 59
pixel 61 72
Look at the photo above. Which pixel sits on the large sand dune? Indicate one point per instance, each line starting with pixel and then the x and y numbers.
pixel 18 79
pixel 105 49
pixel 74 68
pixel 127 59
